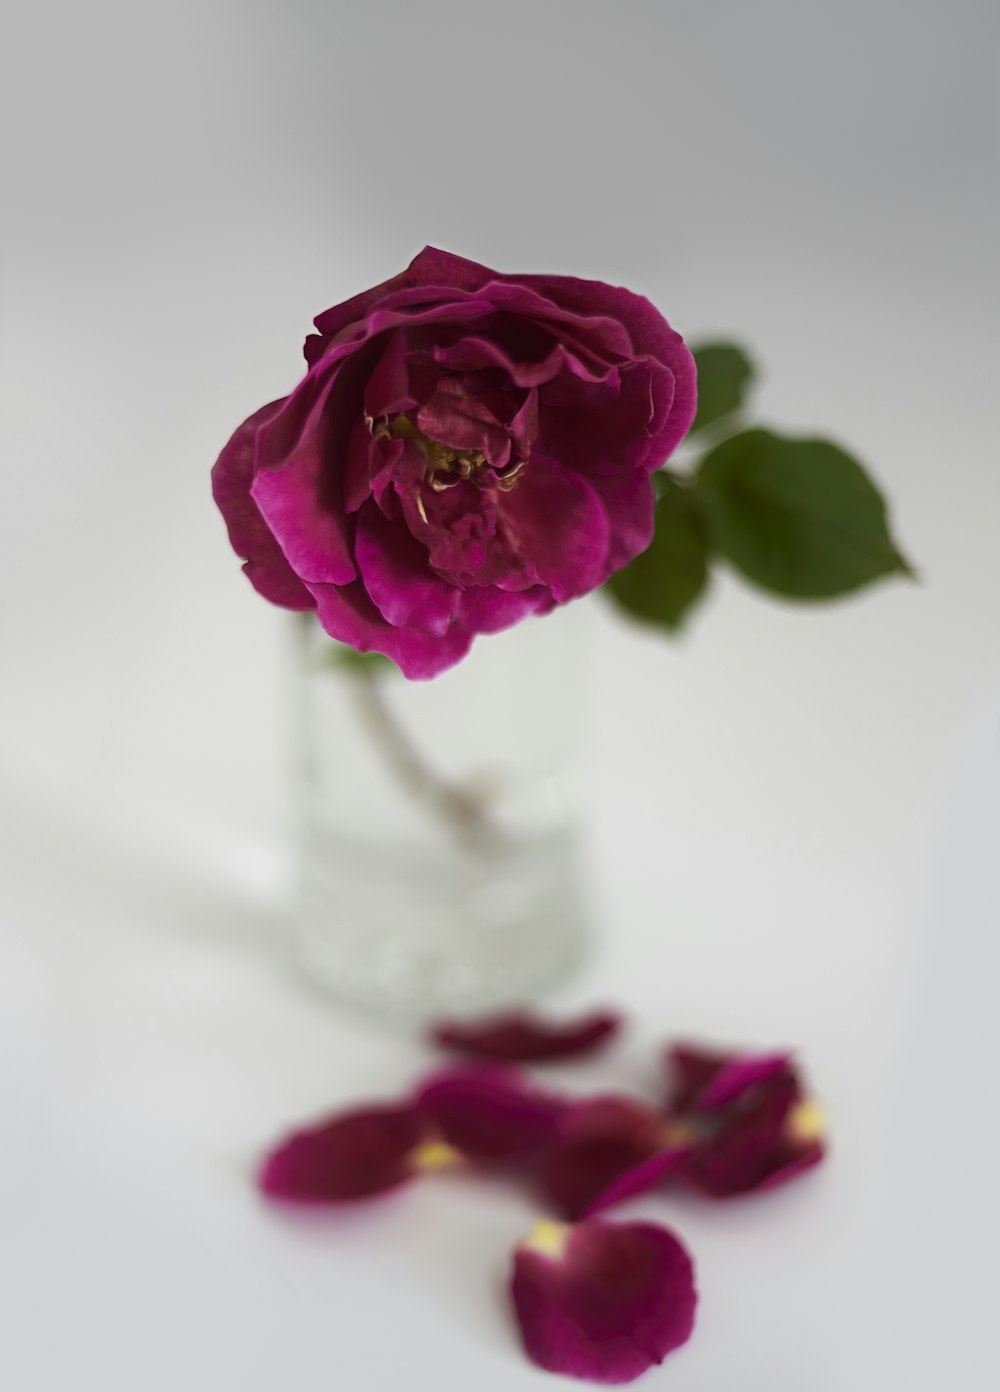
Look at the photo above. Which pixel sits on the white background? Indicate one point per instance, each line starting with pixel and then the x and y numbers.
pixel 796 810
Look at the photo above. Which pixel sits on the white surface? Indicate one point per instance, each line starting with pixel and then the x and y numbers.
pixel 797 811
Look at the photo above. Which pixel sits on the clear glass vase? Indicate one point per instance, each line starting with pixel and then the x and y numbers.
pixel 439 822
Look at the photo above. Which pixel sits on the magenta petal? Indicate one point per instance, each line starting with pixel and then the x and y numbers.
pixel 484 609
pixel 429 268
pixel 601 1153
pixel 393 565
pixel 435 267
pixel 691 1070
pixel 638 1179
pixel 489 1113
pixel 351 1156
pixel 522 1037
pixel 388 388
pixel 705 1079
pixel 756 1145
pixel 453 414
pixel 348 614
pixel 299 495
pixel 232 476
pixel 629 501
pixel 750 1125
pixel 602 1301
pixel 651 336
pixel 597 330
pixel 739 1074
pixel 476 352
pixel 555 518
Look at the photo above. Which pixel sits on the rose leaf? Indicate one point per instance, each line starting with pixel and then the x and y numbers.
pixel 800 518
pixel 725 373
pixel 662 585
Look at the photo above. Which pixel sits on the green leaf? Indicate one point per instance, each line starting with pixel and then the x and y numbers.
pixel 798 517
pixel 662 585
pixel 725 371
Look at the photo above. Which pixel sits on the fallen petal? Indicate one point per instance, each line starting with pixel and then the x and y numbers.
pixel 489 1113
pixel 605 1150
pixel 769 1137
pixel 637 1179
pixel 704 1079
pixel 691 1069
pixel 738 1075
pixel 351 1156
pixel 602 1301
pixel 523 1037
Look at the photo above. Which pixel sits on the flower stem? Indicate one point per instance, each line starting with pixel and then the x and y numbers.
pixel 462 811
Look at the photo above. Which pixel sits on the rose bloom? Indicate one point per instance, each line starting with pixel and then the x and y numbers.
pixel 465 449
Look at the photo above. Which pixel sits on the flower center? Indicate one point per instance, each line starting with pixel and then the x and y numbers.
pixel 444 466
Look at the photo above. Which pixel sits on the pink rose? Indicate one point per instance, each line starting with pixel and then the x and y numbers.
pixel 465 449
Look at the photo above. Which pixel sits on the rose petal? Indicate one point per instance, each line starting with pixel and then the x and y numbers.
pixel 605 1150
pixel 476 352
pixel 300 497
pixel 554 518
pixel 691 1069
pixel 738 1075
pixel 368 466
pixel 486 609
pixel 629 501
pixel 429 268
pixel 638 1179
pixel 457 414
pixel 435 267
pixel 325 351
pixel 232 476
pixel 769 1135
pixel 606 333
pixel 650 334
pixel 520 1036
pixel 603 430
pixel 348 614
pixel 705 1079
pixel 394 569
pixel 602 1301
pixel 387 390
pixel 489 1114
pixel 352 1156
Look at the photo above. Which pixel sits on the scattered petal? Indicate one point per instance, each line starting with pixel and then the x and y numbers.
pixel 691 1070
pixel 352 1156
pixel 602 1301
pixel 489 1113
pixel 606 1149
pixel 523 1037
pixel 638 1179
pixel 749 1124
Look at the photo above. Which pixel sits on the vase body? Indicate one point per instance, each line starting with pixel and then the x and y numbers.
pixel 439 822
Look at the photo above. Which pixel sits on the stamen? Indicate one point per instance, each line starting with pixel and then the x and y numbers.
pixel 548 1238
pixel 456 465
pixel 806 1122
pixel 510 479
pixel 435 1155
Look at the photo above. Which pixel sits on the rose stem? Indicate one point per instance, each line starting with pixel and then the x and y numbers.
pixel 463 812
